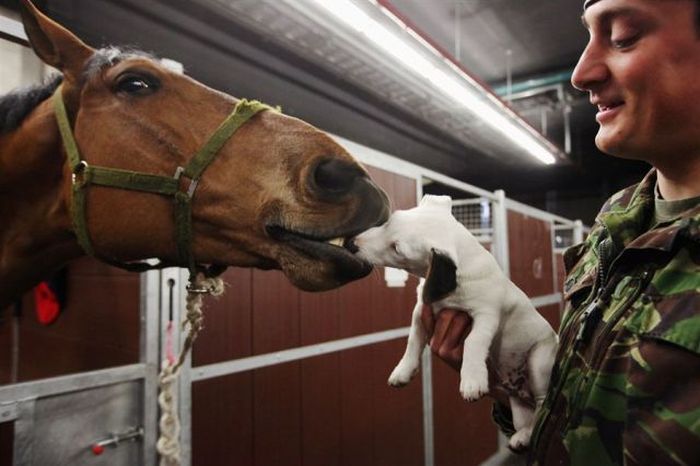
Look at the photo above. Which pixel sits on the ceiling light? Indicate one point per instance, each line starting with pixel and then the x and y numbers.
pixel 456 84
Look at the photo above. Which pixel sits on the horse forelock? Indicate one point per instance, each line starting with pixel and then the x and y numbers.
pixel 110 56
pixel 16 105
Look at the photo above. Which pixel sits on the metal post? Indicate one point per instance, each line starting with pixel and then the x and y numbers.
pixel 185 383
pixel 500 231
pixel 427 380
pixel 149 355
pixel 578 231
pixel 428 422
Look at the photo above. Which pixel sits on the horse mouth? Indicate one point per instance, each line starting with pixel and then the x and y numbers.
pixel 338 249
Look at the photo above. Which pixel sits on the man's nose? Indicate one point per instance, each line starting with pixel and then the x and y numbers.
pixel 591 70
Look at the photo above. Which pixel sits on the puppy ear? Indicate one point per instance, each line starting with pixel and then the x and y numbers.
pixel 441 279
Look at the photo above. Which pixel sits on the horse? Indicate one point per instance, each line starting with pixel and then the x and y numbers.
pixel 275 193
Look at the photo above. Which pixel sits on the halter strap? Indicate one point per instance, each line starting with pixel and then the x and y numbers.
pixel 85 175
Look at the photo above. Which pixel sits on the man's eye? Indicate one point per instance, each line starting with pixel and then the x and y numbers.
pixel 624 42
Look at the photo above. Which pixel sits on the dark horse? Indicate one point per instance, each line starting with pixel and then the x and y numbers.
pixel 278 193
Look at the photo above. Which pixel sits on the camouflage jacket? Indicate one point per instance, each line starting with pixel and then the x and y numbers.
pixel 626 384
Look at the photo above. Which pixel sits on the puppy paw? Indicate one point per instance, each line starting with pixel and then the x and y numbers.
pixel 474 384
pixel 520 440
pixel 402 374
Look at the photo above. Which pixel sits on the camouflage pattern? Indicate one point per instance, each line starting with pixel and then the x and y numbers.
pixel 626 384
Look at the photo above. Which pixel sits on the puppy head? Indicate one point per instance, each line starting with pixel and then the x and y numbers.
pixel 407 239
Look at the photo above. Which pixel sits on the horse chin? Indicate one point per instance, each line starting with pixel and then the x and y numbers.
pixel 314 265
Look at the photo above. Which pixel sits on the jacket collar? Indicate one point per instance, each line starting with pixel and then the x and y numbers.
pixel 627 217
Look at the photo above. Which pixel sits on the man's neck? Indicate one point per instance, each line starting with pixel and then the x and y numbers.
pixel 680 183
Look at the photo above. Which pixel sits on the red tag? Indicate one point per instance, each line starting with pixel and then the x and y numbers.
pixel 46 303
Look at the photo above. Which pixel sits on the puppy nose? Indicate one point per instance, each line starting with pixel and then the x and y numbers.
pixel 335 176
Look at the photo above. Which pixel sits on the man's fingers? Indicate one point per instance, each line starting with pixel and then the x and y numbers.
pixel 460 326
pixel 443 321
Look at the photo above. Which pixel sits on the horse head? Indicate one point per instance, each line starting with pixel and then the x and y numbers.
pixel 278 194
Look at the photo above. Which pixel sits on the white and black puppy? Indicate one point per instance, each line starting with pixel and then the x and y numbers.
pixel 460 274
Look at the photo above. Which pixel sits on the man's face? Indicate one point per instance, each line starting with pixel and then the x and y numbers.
pixel 641 68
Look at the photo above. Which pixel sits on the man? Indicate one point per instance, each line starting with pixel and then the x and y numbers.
pixel 626 384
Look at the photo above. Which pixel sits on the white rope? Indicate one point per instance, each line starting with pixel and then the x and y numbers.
pixel 168 445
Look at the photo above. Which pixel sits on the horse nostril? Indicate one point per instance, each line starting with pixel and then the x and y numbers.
pixel 336 176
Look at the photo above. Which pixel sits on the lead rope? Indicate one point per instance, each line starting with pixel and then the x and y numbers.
pixel 168 445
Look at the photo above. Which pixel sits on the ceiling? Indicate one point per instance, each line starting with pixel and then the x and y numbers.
pixel 263 49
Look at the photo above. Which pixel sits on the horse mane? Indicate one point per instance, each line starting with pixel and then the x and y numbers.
pixel 18 104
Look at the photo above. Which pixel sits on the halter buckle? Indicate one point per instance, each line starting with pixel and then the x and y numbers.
pixel 193 182
pixel 79 177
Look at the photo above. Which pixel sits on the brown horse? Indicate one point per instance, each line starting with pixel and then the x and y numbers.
pixel 278 194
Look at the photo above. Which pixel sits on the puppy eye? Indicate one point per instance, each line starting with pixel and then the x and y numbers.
pixel 395 247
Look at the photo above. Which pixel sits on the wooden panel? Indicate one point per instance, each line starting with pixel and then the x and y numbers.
pixel 7 437
pixel 222 420
pixel 275 312
pixel 355 307
pixel 530 249
pixel 319 316
pixel 398 419
pixel 392 307
pixel 560 272
pixel 227 332
pixel 7 320
pixel 277 415
pixel 98 328
pixel 357 407
pixel 464 433
pixel 321 411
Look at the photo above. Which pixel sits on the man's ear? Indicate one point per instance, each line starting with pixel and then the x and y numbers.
pixel 54 44
pixel 441 279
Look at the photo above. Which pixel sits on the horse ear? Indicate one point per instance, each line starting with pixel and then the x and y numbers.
pixel 441 279
pixel 54 44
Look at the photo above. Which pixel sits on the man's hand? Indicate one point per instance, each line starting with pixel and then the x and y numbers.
pixel 449 330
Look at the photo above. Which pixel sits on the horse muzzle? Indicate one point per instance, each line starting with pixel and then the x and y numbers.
pixel 317 257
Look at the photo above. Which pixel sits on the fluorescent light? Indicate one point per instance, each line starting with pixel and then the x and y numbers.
pixel 460 90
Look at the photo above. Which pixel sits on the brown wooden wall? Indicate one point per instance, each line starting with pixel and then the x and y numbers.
pixel 98 328
pixel 328 410
pixel 531 260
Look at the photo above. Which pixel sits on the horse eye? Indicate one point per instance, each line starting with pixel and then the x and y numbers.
pixel 136 85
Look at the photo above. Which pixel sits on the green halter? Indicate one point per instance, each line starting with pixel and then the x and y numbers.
pixel 85 175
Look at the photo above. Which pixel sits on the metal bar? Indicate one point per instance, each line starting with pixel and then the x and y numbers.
pixel 578 231
pixel 8 411
pixel 71 383
pixel 537 82
pixel 150 328
pixel 566 110
pixel 428 422
pixel 460 202
pixel 185 383
pixel 23 448
pixel 500 232
pixel 546 300
pixel 280 357
pixel 534 212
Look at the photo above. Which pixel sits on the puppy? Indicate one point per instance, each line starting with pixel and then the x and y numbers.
pixel 460 274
